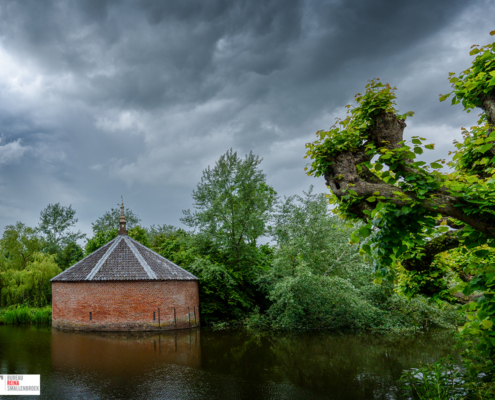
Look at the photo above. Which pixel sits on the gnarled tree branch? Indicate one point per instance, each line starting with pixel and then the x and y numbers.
pixel 387 131
pixel 447 241
pixel 488 106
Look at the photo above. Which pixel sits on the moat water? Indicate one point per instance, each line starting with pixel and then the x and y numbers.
pixel 206 364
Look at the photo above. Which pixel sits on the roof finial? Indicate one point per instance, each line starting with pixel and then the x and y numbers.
pixel 122 227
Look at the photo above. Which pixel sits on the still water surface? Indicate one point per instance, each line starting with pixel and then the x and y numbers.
pixel 206 364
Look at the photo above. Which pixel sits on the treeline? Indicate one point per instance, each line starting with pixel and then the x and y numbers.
pixel 305 275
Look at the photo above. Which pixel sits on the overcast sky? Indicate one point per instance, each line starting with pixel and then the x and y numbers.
pixel 101 98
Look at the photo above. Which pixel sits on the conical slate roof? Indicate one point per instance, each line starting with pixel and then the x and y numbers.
pixel 124 259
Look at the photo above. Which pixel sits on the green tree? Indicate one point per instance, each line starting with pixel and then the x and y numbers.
pixel 18 245
pixel 158 230
pixel 31 285
pixel 319 281
pixel 110 220
pixel 415 210
pixel 233 204
pixel 70 254
pixel 100 239
pixel 221 294
pixel 178 247
pixel 55 223
pixel 305 230
pixel 139 234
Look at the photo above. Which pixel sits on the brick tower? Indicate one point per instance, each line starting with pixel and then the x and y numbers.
pixel 125 286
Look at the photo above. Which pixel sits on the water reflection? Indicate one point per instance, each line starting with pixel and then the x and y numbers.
pixel 109 353
pixel 215 365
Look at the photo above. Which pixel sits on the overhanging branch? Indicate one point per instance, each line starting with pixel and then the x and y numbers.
pixel 447 241
pixel 387 131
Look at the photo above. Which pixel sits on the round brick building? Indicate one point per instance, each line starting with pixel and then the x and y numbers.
pixel 125 286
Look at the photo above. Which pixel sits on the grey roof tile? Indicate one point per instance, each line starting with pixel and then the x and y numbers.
pixel 80 270
pixel 123 258
pixel 163 268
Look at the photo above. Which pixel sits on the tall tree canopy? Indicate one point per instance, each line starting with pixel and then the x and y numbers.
pixel 55 223
pixel 416 210
pixel 233 204
pixel 19 244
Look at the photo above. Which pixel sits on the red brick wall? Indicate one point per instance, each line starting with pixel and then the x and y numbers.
pixel 117 306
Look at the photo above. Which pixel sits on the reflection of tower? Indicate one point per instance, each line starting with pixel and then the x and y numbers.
pixel 122 228
pixel 107 362
pixel 69 349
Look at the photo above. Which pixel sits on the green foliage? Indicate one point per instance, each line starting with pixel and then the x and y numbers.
pixel 305 229
pixel 25 271
pixel 441 380
pixel 100 238
pixel 319 281
pixel 110 220
pixel 352 132
pixel 480 313
pixel 55 221
pixel 157 230
pixel 472 155
pixel 471 88
pixel 30 285
pixel 183 248
pixel 18 245
pixel 433 283
pixel 27 316
pixel 399 226
pixel 70 254
pixel 221 293
pixel 140 235
pixel 233 202
pixel 446 380
pixel 477 81
pixel 306 300
pixel 348 300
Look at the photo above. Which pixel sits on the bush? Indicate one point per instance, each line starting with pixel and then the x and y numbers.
pixel 307 300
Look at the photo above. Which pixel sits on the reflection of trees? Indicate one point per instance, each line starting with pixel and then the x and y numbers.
pixel 212 365
pixel 25 350
pixel 340 367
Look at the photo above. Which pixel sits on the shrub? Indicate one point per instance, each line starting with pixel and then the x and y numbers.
pixel 307 300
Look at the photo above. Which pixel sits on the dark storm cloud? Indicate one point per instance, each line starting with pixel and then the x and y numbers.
pixel 145 54
pixel 103 97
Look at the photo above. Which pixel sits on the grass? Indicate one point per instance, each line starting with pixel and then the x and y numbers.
pixel 26 316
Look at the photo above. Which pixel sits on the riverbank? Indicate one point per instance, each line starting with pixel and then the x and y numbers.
pixel 26 315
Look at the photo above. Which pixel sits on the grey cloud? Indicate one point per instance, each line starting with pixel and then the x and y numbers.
pixel 139 96
pixel 11 152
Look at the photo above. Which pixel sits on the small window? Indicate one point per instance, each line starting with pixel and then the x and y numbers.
pixel 90 316
pixel 154 318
